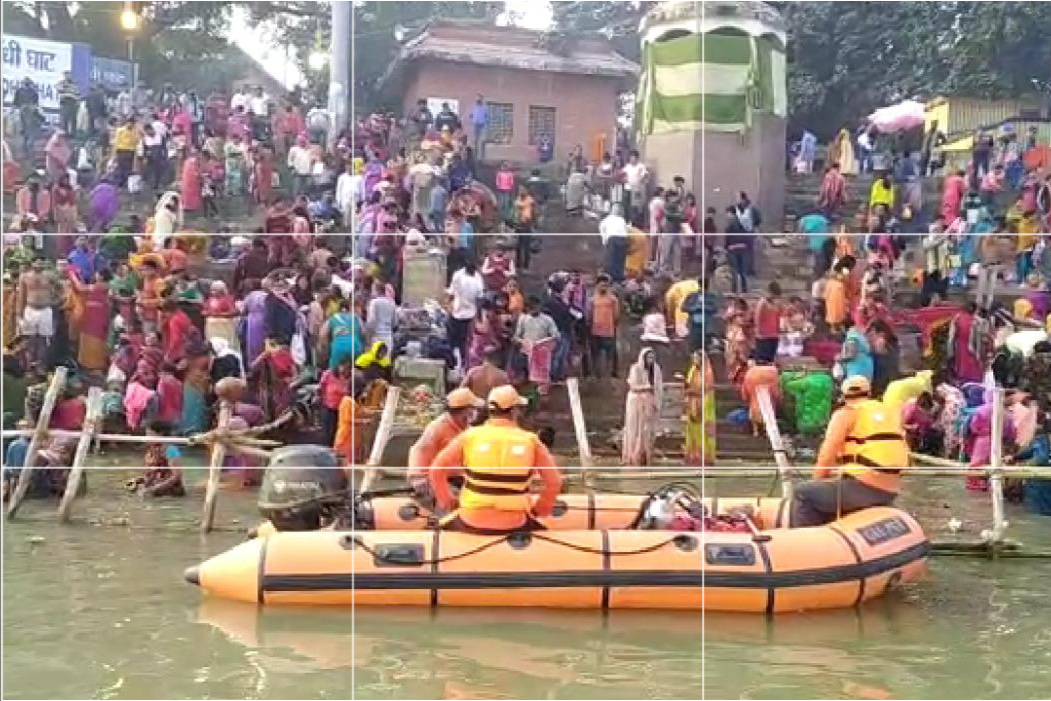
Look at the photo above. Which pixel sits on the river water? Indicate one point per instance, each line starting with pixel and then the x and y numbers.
pixel 99 610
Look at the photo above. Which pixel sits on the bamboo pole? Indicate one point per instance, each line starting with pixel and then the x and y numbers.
pixel 218 455
pixel 773 434
pixel 91 426
pixel 24 477
pixel 379 444
pixel 230 437
pixel 996 475
pixel 580 429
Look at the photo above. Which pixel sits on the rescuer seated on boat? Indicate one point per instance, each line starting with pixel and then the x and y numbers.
pixel 461 405
pixel 497 460
pixel 866 443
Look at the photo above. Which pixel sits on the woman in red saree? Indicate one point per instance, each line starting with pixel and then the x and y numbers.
pixel 271 375
pixel 64 205
pixel 263 166
pixel 220 315
pixel 96 312
pixel 191 182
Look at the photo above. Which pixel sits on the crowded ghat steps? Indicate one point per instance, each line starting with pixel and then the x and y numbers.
pixel 802 191
pixel 787 260
pixel 237 213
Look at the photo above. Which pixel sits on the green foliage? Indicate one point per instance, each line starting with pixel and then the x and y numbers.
pixel 177 41
pixel 621 19
pixel 847 59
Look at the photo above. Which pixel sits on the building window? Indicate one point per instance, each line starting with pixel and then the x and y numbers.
pixel 501 123
pixel 541 123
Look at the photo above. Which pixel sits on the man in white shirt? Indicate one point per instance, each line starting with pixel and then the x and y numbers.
pixel 657 212
pixel 318 122
pixel 466 289
pixel 259 103
pixel 301 163
pixel 350 192
pixel 635 176
pixel 614 231
pixel 239 98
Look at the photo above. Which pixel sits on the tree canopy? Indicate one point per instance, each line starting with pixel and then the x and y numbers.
pixel 375 45
pixel 847 59
pixel 176 42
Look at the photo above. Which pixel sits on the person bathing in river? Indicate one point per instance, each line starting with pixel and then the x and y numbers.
pixel 163 478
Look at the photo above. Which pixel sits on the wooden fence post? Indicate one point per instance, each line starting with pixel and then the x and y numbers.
pixel 211 494
pixel 773 434
pixel 379 444
pixel 24 477
pixel 91 427
pixel 580 428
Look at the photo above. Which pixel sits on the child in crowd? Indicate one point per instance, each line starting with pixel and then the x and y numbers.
pixel 795 328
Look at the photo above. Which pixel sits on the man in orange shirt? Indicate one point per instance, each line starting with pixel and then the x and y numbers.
pixel 497 460
pixel 460 406
pixel 864 451
pixel 603 316
pixel 761 373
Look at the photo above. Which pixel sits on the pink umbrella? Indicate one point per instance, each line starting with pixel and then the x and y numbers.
pixel 900 117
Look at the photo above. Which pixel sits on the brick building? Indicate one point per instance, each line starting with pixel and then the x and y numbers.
pixel 534 84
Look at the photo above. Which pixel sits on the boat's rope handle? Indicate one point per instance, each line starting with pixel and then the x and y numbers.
pixel 492 544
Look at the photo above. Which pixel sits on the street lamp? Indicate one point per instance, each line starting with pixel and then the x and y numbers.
pixel 317 60
pixel 129 19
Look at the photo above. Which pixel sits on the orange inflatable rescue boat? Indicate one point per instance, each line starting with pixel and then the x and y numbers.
pixel 593 556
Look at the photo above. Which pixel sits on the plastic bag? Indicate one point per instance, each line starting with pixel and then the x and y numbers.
pixel 134 183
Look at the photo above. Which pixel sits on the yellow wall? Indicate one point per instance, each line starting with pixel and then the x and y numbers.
pixel 956 115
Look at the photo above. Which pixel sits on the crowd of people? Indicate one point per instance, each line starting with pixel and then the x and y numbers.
pixel 420 174
pixel 167 160
pixel 881 310
pixel 1004 187
pixel 131 314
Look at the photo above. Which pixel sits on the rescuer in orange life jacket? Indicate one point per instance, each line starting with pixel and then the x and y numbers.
pixel 497 460
pixel 460 410
pixel 864 450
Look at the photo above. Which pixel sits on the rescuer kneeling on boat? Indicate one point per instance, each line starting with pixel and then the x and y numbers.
pixel 865 441
pixel 497 460
pixel 459 415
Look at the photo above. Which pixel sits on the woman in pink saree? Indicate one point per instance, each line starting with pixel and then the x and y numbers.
pixel 58 153
pixel 952 196
pixel 968 347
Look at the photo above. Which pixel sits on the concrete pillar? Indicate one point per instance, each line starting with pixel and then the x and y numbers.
pixel 340 68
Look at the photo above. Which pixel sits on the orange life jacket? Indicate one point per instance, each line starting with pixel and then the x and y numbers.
pixel 875 444
pixel 498 464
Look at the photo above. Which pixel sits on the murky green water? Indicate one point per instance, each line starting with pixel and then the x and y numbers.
pixel 100 611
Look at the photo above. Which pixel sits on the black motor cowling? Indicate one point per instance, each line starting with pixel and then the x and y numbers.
pixel 302 485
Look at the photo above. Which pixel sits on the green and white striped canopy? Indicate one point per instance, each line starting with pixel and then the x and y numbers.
pixel 714 81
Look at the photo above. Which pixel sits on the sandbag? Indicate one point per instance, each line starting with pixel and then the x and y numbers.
pixel 811 395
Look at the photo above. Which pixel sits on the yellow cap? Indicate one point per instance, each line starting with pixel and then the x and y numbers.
pixel 505 397
pixel 856 386
pixel 463 398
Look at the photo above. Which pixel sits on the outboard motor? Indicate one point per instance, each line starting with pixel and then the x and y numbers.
pixel 304 487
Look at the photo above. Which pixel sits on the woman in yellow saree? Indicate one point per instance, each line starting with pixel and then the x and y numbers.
pixel 638 253
pixel 700 413
pixel 842 151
